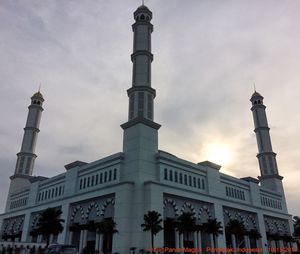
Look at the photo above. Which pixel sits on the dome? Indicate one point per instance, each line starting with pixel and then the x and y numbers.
pixel 38 94
pixel 143 7
pixel 256 94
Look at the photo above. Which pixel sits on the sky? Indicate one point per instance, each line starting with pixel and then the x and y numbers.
pixel 207 56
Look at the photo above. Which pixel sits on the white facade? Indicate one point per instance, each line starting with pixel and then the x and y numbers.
pixel 128 184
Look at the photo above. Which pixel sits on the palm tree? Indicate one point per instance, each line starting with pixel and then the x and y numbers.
pixel 50 223
pixel 152 223
pixel 214 227
pixel 186 223
pixel 108 228
pixel 253 235
pixel 236 228
pixel 296 221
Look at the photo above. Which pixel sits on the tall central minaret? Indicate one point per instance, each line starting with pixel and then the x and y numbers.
pixel 141 94
pixel 270 177
pixel 140 140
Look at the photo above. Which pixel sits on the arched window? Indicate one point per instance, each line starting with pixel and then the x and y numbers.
pixel 142 17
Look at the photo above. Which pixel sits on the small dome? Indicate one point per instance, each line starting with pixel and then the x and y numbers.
pixel 143 7
pixel 144 11
pixel 38 94
pixel 256 94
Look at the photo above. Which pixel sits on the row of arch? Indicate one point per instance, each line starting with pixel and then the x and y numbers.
pixel 275 226
pixel 201 214
pixel 247 219
pixel 13 225
pixel 99 209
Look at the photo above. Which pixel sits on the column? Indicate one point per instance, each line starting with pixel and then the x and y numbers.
pixel 181 242
pixel 258 243
pixel 195 240
pixel 51 239
pixel 211 238
pixel 262 229
pixel 84 238
pixel 97 243
pixel 233 240
pixel 218 211
pixel 81 242
pixel 199 240
pixel 61 238
pixel 101 243
pixel 39 238
pixel 281 246
pixel 71 237
pixel 176 239
pixel 288 247
pixel 246 243
pixel 273 246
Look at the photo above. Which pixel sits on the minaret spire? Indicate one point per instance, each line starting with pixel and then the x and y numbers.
pixel 270 177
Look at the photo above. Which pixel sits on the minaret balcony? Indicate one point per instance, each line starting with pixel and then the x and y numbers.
pixel 141 53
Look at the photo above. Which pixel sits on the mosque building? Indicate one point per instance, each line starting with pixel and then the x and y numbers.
pixel 126 185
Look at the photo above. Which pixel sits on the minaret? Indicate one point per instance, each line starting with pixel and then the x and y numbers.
pixel 270 177
pixel 141 94
pixel 26 156
pixel 140 141
pixel 140 126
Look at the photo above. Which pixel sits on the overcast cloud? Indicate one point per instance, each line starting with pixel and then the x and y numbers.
pixel 207 54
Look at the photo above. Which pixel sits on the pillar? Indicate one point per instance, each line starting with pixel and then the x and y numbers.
pixel 80 242
pixel 233 240
pixel 177 239
pixel 262 230
pixel 280 246
pixel 181 242
pixel 97 242
pixel 211 238
pixel 199 240
pixel 71 237
pixel 247 243
pixel 195 240
pixel 51 238
pixel 84 238
pixel 218 211
pixel 26 228
pixel 100 243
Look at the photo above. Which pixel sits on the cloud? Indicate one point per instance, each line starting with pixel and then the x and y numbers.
pixel 207 54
